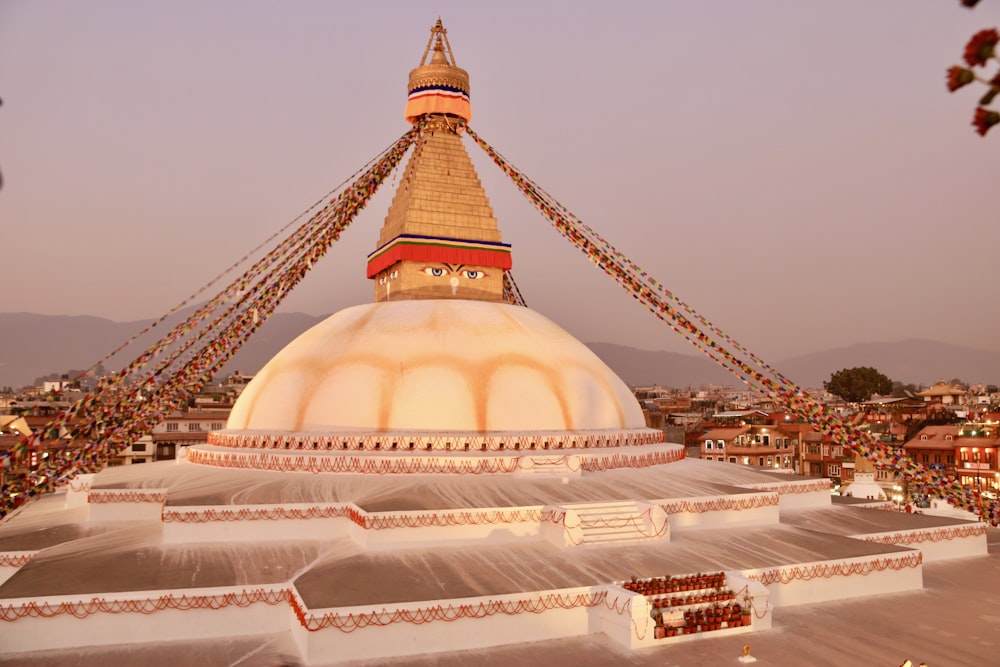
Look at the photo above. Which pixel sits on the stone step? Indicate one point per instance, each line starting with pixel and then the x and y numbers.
pixel 612 521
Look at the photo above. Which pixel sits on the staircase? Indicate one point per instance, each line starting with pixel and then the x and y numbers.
pixel 612 522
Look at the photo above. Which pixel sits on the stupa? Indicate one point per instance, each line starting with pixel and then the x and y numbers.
pixel 440 470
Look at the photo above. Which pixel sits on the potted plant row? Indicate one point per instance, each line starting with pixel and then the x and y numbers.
pixel 705 619
pixel 671 584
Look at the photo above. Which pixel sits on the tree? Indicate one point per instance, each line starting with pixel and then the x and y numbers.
pixel 858 384
pixel 958 383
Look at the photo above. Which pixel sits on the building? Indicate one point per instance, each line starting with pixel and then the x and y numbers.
pixel 967 453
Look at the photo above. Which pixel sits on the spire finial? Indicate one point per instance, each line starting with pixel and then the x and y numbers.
pixel 438 85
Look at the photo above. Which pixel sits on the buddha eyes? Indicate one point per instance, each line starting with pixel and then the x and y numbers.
pixel 438 272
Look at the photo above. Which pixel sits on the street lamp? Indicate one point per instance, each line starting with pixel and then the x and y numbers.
pixel 897 495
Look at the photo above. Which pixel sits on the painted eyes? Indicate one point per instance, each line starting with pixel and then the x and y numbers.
pixel 438 272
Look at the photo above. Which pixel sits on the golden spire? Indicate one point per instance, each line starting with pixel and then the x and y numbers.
pixel 439 239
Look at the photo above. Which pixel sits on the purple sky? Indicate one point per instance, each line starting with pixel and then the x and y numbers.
pixel 796 171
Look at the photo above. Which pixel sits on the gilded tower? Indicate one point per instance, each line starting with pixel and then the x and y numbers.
pixel 440 238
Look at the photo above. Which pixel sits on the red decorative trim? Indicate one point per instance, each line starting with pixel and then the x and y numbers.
pixel 348 623
pixel 461 518
pixel 721 504
pixel 401 442
pixel 786 575
pixel 352 464
pixel 439 254
pixel 277 513
pixel 418 465
pixel 618 461
pixel 81 609
pixel 791 488
pixel 946 533
pixel 99 496
pixel 16 558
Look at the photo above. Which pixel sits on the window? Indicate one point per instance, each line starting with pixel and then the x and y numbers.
pixel 937 458
pixel 708 444
pixel 708 458
pixel 732 459
pixel 826 451
pixel 770 461
pixel 925 457
pixel 720 444
pixel 194 426
pixel 760 461
pixel 948 437
pixel 833 470
pixel 923 436
pixel 216 426
pixel 138 446
pixel 173 426
pixel 951 459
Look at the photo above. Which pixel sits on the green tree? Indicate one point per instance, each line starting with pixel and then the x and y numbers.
pixel 858 384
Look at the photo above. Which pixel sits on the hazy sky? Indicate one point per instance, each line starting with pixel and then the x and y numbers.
pixel 795 170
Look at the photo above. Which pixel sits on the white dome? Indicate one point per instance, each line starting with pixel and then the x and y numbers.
pixel 436 365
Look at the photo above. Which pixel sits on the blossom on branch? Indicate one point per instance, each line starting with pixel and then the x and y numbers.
pixel 959 76
pixel 984 120
pixel 981 47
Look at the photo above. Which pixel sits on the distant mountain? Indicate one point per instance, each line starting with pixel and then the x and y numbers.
pixel 33 346
pixel 667 369
pixel 910 362
pixel 915 361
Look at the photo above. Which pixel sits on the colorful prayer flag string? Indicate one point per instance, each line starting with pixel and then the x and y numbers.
pixel 731 355
pixel 130 403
